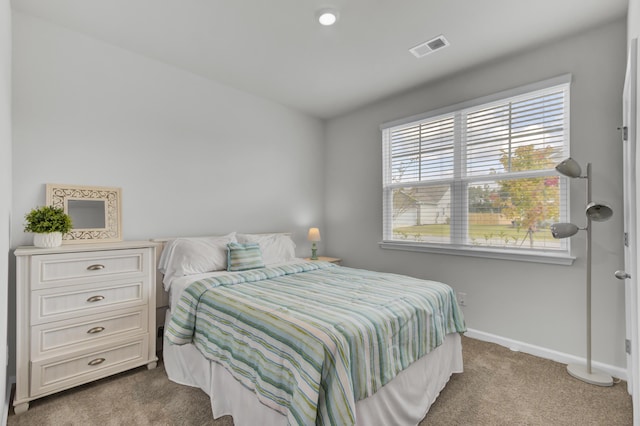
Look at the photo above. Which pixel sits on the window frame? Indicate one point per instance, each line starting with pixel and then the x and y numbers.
pixel 458 197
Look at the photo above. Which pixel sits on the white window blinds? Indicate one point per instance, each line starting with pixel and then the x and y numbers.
pixel 480 174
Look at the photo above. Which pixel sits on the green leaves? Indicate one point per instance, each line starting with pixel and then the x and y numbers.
pixel 47 219
pixel 529 200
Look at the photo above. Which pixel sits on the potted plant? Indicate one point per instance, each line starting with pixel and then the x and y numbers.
pixel 48 223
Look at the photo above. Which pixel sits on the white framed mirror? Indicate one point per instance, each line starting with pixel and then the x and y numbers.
pixel 95 212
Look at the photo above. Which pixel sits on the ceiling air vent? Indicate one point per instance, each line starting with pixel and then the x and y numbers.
pixel 423 49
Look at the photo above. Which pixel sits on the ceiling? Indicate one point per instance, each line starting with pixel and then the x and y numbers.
pixel 277 50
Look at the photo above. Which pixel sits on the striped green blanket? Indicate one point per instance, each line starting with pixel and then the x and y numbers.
pixel 311 339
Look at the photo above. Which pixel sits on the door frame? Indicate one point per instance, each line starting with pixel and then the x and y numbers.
pixel 631 157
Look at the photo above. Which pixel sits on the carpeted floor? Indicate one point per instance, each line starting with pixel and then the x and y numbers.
pixel 498 387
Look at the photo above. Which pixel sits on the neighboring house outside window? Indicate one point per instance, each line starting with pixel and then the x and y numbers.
pixel 478 178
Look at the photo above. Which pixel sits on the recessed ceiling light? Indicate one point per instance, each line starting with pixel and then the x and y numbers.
pixel 327 17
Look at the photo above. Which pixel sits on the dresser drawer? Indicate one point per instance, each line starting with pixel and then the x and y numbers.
pixel 72 268
pixel 69 302
pixel 60 373
pixel 76 334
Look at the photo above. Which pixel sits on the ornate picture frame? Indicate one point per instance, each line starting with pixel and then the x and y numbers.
pixel 96 209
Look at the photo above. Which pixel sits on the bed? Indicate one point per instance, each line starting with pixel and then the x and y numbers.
pixel 277 340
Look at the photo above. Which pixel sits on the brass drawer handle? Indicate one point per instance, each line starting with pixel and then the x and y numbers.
pixel 95 267
pixel 95 330
pixel 95 299
pixel 96 361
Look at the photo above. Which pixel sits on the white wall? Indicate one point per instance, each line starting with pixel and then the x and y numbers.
pixel 5 190
pixel 538 304
pixel 192 157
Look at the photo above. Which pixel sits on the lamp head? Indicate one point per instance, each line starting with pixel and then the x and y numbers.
pixel 598 212
pixel 569 168
pixel 564 230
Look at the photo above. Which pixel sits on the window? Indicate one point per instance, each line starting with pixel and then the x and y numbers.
pixel 480 177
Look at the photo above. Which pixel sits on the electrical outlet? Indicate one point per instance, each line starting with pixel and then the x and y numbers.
pixel 462 298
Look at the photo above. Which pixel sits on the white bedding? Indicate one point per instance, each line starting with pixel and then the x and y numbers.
pixel 403 401
pixel 177 285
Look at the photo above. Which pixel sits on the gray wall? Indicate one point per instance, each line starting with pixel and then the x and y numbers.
pixel 5 186
pixel 197 157
pixel 539 304
pixel 633 19
pixel 191 156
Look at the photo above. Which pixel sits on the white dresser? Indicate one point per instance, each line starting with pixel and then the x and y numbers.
pixel 83 312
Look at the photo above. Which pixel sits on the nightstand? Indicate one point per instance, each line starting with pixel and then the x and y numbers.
pixel 335 260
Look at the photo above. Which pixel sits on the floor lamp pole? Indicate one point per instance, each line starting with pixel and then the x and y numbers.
pixel 589 371
pixel 586 373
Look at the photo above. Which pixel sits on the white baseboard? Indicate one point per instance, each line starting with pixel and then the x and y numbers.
pixel 541 352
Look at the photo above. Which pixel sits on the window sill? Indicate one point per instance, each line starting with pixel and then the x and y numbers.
pixel 554 258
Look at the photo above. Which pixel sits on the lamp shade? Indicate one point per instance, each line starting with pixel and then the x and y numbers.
pixel 570 168
pixel 599 212
pixel 564 230
pixel 314 234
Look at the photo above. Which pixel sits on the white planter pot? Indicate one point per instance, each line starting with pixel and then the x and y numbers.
pixel 52 239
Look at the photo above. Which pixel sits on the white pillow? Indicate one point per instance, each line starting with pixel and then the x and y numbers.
pixel 274 247
pixel 187 256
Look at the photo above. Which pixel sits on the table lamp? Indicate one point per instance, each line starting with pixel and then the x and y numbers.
pixel 314 236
